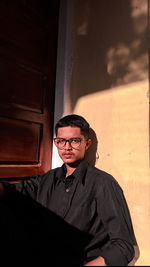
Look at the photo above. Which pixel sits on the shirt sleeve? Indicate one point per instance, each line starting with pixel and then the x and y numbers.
pixel 28 188
pixel 115 216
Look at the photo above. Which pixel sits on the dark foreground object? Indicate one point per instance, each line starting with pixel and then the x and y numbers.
pixel 31 234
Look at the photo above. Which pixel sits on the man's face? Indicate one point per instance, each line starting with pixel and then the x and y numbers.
pixel 68 154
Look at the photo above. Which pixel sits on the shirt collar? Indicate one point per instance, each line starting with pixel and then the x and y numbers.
pixel 79 172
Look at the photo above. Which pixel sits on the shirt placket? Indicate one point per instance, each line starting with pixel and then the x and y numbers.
pixel 69 192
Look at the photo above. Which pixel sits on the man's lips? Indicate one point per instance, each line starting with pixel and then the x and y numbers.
pixel 67 155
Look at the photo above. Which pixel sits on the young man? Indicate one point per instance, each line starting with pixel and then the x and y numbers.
pixel 85 197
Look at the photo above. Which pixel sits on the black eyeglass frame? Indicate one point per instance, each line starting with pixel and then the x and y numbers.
pixel 69 141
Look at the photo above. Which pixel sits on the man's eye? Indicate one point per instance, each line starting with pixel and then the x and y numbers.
pixel 75 141
pixel 61 141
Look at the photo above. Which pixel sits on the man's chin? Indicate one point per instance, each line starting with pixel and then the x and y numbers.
pixel 72 163
pixel 69 161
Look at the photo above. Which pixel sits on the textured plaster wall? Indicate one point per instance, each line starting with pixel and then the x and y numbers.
pixel 110 88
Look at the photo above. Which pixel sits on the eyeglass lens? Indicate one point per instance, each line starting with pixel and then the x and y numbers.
pixel 61 142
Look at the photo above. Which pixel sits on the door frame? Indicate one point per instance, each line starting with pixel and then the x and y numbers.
pixel 64 68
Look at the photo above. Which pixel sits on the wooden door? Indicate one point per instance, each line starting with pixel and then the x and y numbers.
pixel 28 48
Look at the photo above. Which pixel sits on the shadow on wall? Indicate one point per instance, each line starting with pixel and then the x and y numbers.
pixel 92 154
pixel 110 45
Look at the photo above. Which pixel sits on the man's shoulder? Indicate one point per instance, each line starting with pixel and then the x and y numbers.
pixel 97 171
pixel 51 172
pixel 49 176
pixel 99 175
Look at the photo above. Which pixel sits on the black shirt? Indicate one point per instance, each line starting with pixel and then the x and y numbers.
pixel 92 201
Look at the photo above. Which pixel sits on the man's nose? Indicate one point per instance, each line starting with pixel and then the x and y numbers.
pixel 68 145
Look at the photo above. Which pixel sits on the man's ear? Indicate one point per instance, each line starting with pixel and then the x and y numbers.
pixel 88 143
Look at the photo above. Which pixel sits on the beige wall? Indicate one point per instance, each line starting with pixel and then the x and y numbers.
pixel 110 88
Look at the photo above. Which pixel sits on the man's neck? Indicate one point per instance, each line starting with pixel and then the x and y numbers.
pixel 71 168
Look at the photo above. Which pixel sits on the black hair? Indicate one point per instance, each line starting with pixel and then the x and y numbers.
pixel 74 120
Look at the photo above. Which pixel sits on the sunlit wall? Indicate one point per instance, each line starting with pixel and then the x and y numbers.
pixel 105 78
pixel 110 88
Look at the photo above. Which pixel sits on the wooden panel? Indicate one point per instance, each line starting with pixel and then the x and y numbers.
pixel 27 31
pixel 19 141
pixel 20 114
pixel 15 173
pixel 20 86
pixel 28 49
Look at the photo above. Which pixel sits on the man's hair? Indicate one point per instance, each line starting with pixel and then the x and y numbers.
pixel 74 120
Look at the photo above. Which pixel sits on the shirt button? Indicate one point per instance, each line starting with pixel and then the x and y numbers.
pixel 67 190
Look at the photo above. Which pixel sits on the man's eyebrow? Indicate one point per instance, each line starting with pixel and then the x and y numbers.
pixel 70 137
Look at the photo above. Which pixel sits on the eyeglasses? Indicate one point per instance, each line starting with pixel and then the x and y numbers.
pixel 74 142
